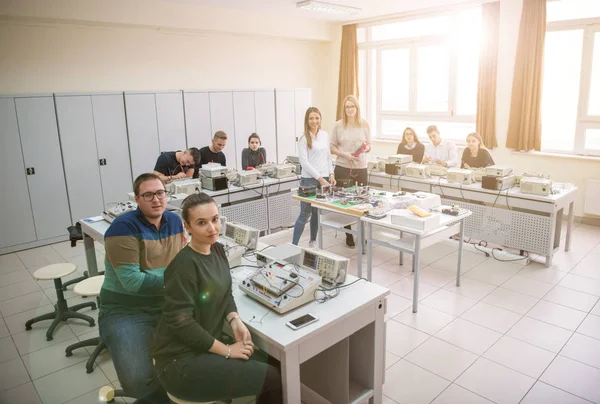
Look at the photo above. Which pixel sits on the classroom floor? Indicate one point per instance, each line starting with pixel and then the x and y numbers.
pixel 510 334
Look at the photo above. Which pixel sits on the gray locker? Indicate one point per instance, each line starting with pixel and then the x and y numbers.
pixel 264 106
pixel 16 217
pixel 41 151
pixel 244 121
pixel 80 155
pixel 111 140
pixel 171 124
pixel 221 118
pixel 197 119
pixel 286 124
pixel 143 132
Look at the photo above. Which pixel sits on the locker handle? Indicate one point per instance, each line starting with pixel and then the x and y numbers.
pixel 30 170
pixel 102 162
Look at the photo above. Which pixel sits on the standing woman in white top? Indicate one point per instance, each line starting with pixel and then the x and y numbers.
pixel 313 152
pixel 350 141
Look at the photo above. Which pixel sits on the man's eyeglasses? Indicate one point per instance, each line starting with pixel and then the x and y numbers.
pixel 149 196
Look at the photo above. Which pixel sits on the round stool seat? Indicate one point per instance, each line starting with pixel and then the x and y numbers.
pixel 90 286
pixel 54 271
pixel 180 401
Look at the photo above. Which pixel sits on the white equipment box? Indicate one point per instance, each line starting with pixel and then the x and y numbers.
pixel 331 267
pixel 478 173
pixel 266 169
pixel 293 159
pixel 536 186
pixel 281 287
pixel 498 171
pixel 417 170
pixel 245 178
pixel 427 201
pixel 460 176
pixel 438 170
pixel 400 159
pixel 243 235
pixel 118 209
pixel 283 170
pixel 285 252
pixel 233 251
pixel 213 171
pixel 406 218
pixel 186 186
pixel 504 183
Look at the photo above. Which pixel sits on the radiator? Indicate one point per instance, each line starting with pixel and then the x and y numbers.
pixel 592 198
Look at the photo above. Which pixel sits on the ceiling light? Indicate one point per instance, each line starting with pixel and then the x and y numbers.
pixel 313 5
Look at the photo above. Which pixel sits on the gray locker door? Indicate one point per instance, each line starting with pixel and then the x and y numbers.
pixel 16 217
pixel 264 107
pixel 80 155
pixel 41 151
pixel 221 118
pixel 143 132
pixel 302 101
pixel 286 124
pixel 197 119
pixel 171 124
pixel 111 139
pixel 244 121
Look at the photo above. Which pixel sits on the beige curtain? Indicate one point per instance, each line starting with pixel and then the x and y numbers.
pixel 488 68
pixel 524 127
pixel 348 81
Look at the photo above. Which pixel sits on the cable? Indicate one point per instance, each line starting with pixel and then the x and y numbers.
pixel 332 292
pixel 252 320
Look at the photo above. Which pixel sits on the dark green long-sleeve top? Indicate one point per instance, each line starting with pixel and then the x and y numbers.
pixel 197 299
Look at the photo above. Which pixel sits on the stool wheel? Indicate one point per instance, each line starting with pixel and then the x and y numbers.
pixel 106 394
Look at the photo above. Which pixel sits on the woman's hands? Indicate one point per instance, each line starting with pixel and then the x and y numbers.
pixel 242 350
pixel 240 332
pixel 332 180
pixel 323 181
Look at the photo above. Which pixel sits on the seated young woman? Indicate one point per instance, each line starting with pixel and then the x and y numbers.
pixel 411 144
pixel 190 360
pixel 475 154
pixel 254 155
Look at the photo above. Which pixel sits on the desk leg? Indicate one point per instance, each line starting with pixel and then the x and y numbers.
pixel 460 251
pixel 401 259
pixel 569 225
pixel 379 370
pixel 416 273
pixel 90 255
pixel 369 236
pixel 360 228
pixel 290 376
pixel 320 231
pixel 360 239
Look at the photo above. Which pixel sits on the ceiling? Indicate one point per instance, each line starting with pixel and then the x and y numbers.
pixel 370 8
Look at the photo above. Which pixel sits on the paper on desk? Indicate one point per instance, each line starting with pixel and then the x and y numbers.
pixel 93 219
pixel 241 273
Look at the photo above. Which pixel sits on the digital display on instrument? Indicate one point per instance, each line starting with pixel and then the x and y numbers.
pixel 310 260
pixel 230 232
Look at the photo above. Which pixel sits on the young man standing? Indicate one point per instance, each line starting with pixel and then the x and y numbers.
pixel 175 165
pixel 139 246
pixel 442 152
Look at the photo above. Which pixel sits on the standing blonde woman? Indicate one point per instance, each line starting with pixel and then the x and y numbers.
pixel 350 141
pixel 313 152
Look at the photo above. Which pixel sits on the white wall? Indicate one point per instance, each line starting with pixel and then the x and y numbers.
pixel 562 169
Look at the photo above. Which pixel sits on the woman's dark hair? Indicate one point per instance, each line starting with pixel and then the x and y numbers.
pixel 417 141
pixel 254 135
pixel 192 201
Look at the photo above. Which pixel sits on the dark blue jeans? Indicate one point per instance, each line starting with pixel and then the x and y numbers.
pixel 306 212
pixel 129 338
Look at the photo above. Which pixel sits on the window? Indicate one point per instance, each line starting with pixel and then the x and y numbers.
pixel 421 71
pixel 571 82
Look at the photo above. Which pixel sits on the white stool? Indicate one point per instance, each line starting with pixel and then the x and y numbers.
pixel 89 287
pixel 61 311
pixel 180 401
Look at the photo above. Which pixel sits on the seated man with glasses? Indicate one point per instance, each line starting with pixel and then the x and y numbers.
pixel 139 246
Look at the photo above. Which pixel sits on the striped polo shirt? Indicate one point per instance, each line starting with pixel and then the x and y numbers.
pixel 137 254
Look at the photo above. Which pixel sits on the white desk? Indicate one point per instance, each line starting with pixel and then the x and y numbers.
pixel 341 357
pixel 415 242
pixel 525 222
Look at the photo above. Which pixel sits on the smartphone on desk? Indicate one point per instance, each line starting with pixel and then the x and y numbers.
pixel 302 321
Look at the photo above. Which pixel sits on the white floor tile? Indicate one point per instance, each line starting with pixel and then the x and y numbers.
pixel 35 339
pixel 596 309
pixel 441 358
pixel 493 272
pixel 588 267
pixel 384 278
pixel 542 393
pixel 449 302
pixel 527 286
pixel 571 298
pixel 509 300
pixel 590 326
pixel 390 359
pixel 52 391
pixel 581 283
pixel 407 383
pixel 401 339
pixel 404 288
pixel 469 260
pixel 574 377
pixel 66 251
pixel 520 356
pixel 23 394
pixel 436 277
pixel 435 252
pixel 381 255
pixel 540 334
pixel 491 317
pixel 18 289
pixel 396 305
pixel 8 350
pixel 23 303
pixel 45 361
pixel 470 288
pixel 539 272
pixel 426 319
pixel 556 314
pixel 16 323
pixel 10 263
pixel 468 335
pixel 11 278
pixel 583 349
pixel 39 257
pixel 3 329
pixel 495 382
pixel 12 374
pixel 393 266
pixel 455 394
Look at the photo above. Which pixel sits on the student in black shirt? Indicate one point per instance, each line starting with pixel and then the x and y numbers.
pixel 411 145
pixel 175 165
pixel 253 155
pixel 213 153
pixel 191 362
pixel 475 154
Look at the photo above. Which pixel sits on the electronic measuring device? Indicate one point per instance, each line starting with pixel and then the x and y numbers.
pixel 249 177
pixel 283 170
pixel 460 176
pixel 233 251
pixel 478 173
pixel 186 186
pixel 213 170
pixel 289 253
pixel 400 159
pixel 437 169
pixel 330 267
pixel 281 287
pixel 497 183
pixel 243 235
pixel 498 171
pixel 118 209
pixel 417 170
pixel 265 170
pixel 536 186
